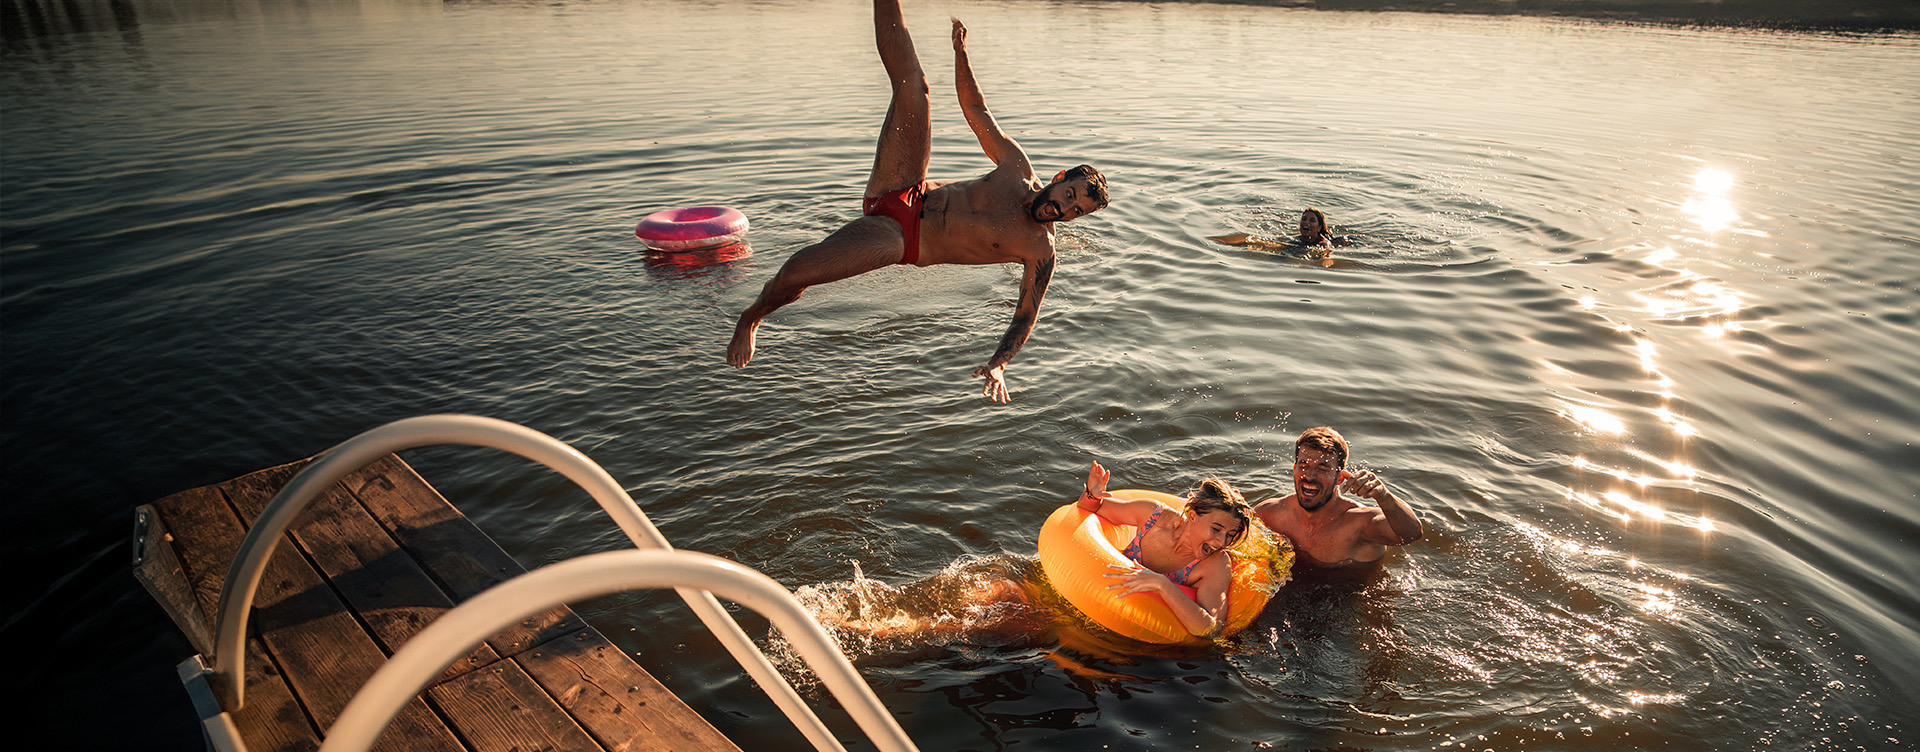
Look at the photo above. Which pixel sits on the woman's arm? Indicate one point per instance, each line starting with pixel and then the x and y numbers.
pixel 1199 621
pixel 1094 498
pixel 1213 578
pixel 1249 241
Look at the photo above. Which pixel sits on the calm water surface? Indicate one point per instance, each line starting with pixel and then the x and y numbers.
pixel 1630 318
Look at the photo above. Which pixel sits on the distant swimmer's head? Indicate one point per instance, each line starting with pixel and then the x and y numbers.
pixel 1073 194
pixel 1319 463
pixel 1217 517
pixel 1314 229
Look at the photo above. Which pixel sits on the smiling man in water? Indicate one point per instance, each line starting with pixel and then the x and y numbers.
pixel 1327 529
pixel 1005 216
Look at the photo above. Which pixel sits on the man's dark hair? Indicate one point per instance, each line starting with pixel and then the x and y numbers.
pixel 1324 439
pixel 1096 183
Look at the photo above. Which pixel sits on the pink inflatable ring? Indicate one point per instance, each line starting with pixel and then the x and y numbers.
pixel 692 228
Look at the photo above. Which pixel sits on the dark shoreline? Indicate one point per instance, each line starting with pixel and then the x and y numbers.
pixel 28 19
pixel 1833 15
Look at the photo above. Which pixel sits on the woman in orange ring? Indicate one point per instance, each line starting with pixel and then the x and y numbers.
pixel 1177 553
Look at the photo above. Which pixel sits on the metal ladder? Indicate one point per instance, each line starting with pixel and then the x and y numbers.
pixel 697 577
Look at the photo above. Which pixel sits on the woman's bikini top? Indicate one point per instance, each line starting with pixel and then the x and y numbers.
pixel 1179 576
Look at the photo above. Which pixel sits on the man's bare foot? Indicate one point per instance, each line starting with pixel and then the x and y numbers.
pixel 740 350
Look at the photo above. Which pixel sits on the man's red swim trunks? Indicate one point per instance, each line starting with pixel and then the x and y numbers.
pixel 904 207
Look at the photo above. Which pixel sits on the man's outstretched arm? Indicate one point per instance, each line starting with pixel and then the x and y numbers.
pixel 998 146
pixel 1033 287
pixel 1397 525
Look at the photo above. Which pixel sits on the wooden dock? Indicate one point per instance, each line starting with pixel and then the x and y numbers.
pixel 371 562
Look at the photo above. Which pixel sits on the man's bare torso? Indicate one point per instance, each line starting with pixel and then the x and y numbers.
pixel 982 221
pixel 1324 540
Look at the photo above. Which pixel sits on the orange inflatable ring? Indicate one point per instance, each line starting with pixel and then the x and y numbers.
pixel 1076 546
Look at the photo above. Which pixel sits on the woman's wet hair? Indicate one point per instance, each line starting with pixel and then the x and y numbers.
pixel 1326 228
pixel 1324 439
pixel 1216 495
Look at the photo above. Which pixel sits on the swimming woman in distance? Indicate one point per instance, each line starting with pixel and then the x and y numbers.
pixel 1316 236
pixel 1178 553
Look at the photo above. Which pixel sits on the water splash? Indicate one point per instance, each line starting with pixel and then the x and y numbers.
pixel 981 601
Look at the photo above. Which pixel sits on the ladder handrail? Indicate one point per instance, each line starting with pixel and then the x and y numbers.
pixel 457 632
pixel 250 564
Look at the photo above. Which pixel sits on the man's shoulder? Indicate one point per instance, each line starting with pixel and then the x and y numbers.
pixel 992 193
pixel 1021 173
pixel 1011 185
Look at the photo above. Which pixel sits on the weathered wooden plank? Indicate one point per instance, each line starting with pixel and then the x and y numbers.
pixel 451 549
pixel 325 652
pixel 250 493
pixel 272 719
pixel 206 534
pixel 615 700
pixel 389 591
pixel 500 708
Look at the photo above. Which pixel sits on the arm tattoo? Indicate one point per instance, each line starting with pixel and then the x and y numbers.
pixel 1025 314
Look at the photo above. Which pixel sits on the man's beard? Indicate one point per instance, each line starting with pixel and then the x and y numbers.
pixel 1033 209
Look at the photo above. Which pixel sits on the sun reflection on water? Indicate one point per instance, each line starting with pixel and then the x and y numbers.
pixel 1674 468
pixel 1625 507
pixel 1611 651
pixel 1646 698
pixel 1595 419
pixel 1709 206
pixel 1658 601
pixel 1681 300
pixel 1690 298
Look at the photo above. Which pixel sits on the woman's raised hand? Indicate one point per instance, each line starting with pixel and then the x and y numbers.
pixel 1094 493
pixel 1097 480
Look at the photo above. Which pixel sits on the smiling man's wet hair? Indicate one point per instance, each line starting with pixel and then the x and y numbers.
pixel 1324 439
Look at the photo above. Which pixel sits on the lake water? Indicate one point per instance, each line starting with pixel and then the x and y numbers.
pixel 1630 318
